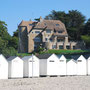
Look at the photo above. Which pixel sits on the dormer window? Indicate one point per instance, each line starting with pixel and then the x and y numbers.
pixel 57 25
pixel 48 31
pixel 45 24
pixel 37 32
pixel 31 25
pixel 59 31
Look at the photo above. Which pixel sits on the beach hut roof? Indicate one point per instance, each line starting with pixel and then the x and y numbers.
pixel 75 57
pixel 11 58
pixel 87 56
pixel 81 56
pixel 59 55
pixel 44 56
pixel 26 57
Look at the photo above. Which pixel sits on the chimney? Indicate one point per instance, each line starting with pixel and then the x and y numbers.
pixel 41 19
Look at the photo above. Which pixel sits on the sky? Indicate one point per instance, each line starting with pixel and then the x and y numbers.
pixel 14 11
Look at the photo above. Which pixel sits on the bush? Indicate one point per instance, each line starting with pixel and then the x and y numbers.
pixel 9 52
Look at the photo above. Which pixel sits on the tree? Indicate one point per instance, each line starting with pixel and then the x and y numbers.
pixel 58 15
pixel 37 19
pixel 86 39
pixel 73 20
pixel 7 48
pixel 3 31
pixel 14 40
pixel 15 34
pixel 86 30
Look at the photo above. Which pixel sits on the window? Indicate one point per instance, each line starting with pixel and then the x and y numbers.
pixel 61 60
pixel 57 24
pixel 46 39
pixel 35 46
pixel 53 46
pixel 60 46
pixel 37 39
pixel 59 31
pixel 51 39
pixel 44 23
pixel 51 61
pixel 37 32
pixel 67 47
pixel 31 25
pixel 74 47
pixel 59 40
pixel 79 60
pixel 48 31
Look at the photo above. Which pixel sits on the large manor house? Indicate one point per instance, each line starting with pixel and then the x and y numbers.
pixel 49 34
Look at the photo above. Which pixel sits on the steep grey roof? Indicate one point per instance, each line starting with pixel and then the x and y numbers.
pixel 75 57
pixel 44 56
pixel 87 56
pixel 26 57
pixel 59 55
pixel 11 58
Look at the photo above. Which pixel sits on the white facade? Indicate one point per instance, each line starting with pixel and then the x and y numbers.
pixel 88 66
pixel 71 67
pixel 3 67
pixel 62 65
pixel 15 69
pixel 31 66
pixel 49 66
pixel 81 66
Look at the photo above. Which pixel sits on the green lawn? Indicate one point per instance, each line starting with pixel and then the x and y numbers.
pixel 67 51
pixel 23 54
pixel 58 52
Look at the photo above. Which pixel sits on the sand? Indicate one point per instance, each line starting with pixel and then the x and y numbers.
pixel 47 83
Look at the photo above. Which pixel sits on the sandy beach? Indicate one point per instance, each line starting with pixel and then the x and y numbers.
pixel 47 83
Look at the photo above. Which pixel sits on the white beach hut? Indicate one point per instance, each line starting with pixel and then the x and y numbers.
pixel 31 66
pixel 71 67
pixel 62 65
pixel 81 66
pixel 15 69
pixel 88 65
pixel 49 65
pixel 3 67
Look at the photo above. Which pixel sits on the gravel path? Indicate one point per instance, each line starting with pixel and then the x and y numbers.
pixel 47 83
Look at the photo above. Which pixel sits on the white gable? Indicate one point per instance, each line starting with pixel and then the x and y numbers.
pixel 26 57
pixel 16 59
pixel 30 58
pixel 71 61
pixel 62 57
pixel 81 58
pixel 53 57
pixel 89 58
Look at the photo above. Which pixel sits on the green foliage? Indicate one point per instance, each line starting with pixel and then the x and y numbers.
pixel 37 19
pixel 86 39
pixel 73 20
pixel 86 30
pixel 10 51
pixel 14 42
pixel 15 34
pixel 39 49
pixel 8 44
pixel 23 54
pixel 67 51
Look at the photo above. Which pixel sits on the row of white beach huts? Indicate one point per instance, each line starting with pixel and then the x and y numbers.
pixel 43 65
